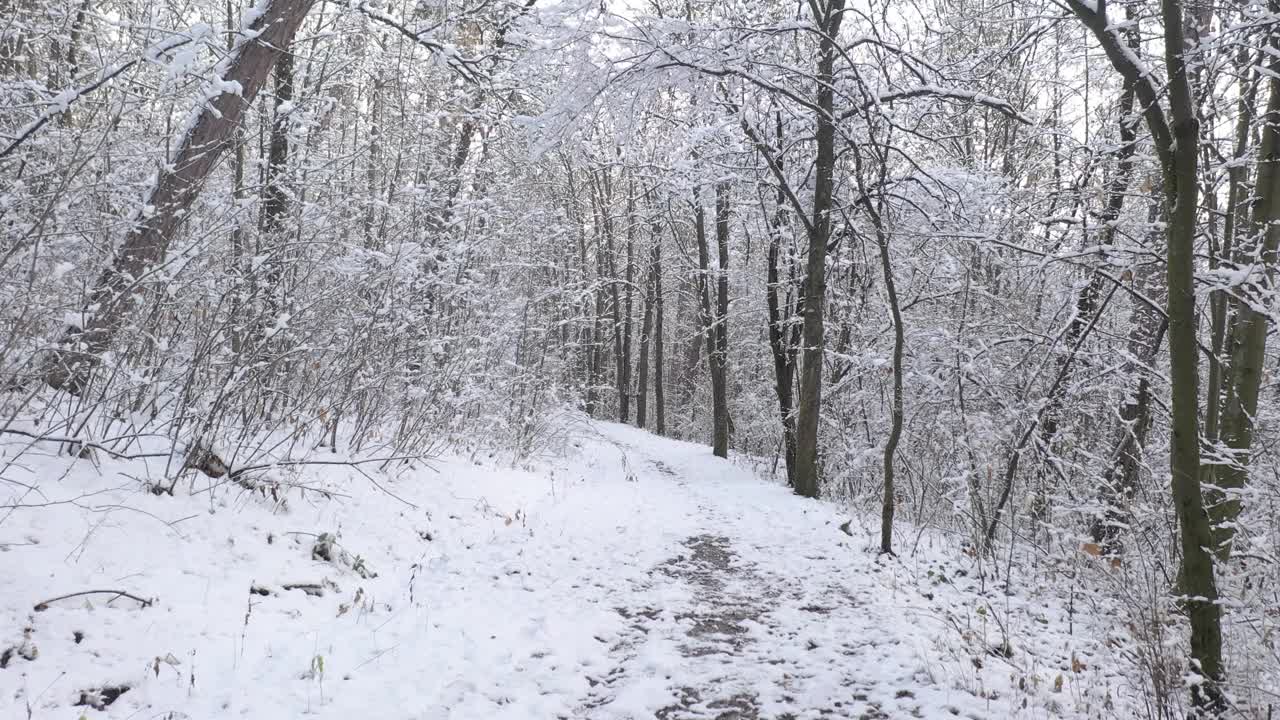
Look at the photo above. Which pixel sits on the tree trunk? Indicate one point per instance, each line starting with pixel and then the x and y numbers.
pixel 609 274
pixel 121 284
pixel 1180 170
pixel 1235 220
pixel 783 332
pixel 374 167
pixel 646 333
pixel 806 476
pixel 67 118
pixel 782 346
pixel 1087 298
pixel 1177 136
pixel 277 196
pixel 1249 332
pixel 624 379
pixel 688 379
pixel 586 329
pixel 11 44
pixel 708 328
pixel 889 502
pixel 718 340
pixel 659 389
pixel 1120 479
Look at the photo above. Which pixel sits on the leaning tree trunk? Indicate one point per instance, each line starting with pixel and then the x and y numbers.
pixel 1087 298
pixel 122 283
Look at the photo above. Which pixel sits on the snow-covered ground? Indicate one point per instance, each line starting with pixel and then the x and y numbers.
pixel 634 577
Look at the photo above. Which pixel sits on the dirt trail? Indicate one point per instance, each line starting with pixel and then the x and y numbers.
pixel 720 631
pixel 717 624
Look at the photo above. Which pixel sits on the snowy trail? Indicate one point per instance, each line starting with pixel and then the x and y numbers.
pixel 751 637
pixel 635 578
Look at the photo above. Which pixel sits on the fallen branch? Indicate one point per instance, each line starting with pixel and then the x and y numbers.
pixel 41 607
pixel 82 444
pixel 352 463
pixel 236 474
pixel 207 462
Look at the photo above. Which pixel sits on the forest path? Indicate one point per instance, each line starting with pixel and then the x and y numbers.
pixel 764 609
pixel 631 578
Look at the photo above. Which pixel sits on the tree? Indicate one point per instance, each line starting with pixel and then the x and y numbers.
pixel 874 209
pixel 782 298
pixel 712 314
pixel 828 17
pixel 1176 134
pixel 1249 329
pixel 120 285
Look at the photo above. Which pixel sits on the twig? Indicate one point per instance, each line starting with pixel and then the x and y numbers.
pixel 63 101
pixel 462 64
pixel 41 607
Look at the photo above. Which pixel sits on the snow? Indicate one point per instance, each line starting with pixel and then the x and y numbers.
pixel 630 576
pixel 280 325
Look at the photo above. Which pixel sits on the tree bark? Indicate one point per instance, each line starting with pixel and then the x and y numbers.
pixel 609 275
pixel 67 119
pixel 782 344
pixel 889 502
pixel 624 379
pixel 1120 479
pixel 374 167
pixel 1087 298
pixel 13 44
pixel 1235 220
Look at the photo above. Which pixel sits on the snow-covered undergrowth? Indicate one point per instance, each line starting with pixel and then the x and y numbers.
pixel 634 577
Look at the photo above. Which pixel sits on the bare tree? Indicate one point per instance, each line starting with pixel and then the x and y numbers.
pixel 828 16
pixel 122 283
pixel 1176 133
